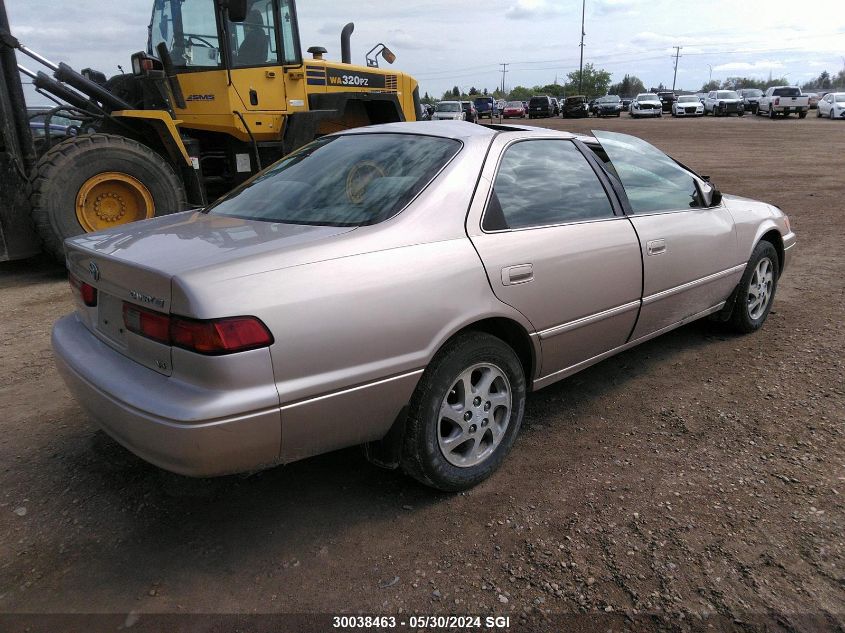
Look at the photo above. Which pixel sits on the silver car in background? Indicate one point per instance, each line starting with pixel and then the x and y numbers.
pixel 646 104
pixel 723 103
pixel 402 286
pixel 449 111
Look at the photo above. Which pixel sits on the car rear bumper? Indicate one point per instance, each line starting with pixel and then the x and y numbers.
pixel 211 445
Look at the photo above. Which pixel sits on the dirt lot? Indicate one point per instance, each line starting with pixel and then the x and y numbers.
pixel 696 481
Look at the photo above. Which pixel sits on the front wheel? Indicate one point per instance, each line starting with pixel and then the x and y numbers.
pixel 465 413
pixel 802 115
pixel 756 289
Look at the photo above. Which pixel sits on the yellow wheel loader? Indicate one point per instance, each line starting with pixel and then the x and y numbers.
pixel 221 92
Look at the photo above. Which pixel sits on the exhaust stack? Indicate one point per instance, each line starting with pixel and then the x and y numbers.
pixel 345 48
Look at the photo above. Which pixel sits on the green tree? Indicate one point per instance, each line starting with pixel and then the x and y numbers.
pixel 473 91
pixel 713 84
pixel 630 86
pixel 594 82
pixel 456 92
pixel 484 92
pixel 521 93
pixel 822 81
pixel 553 90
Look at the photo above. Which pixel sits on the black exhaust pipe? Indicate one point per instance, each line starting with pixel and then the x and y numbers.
pixel 345 48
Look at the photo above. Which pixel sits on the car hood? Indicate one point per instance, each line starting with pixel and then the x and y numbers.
pixel 181 242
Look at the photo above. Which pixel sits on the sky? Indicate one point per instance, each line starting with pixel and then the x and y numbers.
pixel 444 43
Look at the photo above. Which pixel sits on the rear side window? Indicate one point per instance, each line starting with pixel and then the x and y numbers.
pixel 351 180
pixel 787 92
pixel 544 182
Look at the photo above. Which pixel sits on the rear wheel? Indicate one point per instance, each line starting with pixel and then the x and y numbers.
pixel 90 183
pixel 465 413
pixel 802 115
pixel 771 112
pixel 830 114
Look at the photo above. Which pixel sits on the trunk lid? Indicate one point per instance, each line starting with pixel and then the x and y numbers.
pixel 136 264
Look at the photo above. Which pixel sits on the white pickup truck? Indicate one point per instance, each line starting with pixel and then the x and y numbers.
pixel 783 101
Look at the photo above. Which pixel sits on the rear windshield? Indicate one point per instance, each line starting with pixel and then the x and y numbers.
pixel 752 92
pixel 787 92
pixel 535 101
pixel 484 101
pixel 448 106
pixel 351 180
pixel 514 104
pixel 726 94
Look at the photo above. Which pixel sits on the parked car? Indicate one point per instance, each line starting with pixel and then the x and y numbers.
pixel 470 111
pixel 832 105
pixel 540 106
pixel 812 100
pixel 750 98
pixel 486 107
pixel 687 105
pixel 783 101
pixel 609 105
pixel 626 103
pixel 723 103
pixel 555 107
pixel 701 96
pixel 667 98
pixel 313 308
pixel 575 107
pixel 645 104
pixel 514 110
pixel 448 111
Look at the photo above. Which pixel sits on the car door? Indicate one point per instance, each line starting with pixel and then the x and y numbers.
pixel 556 246
pixel 689 250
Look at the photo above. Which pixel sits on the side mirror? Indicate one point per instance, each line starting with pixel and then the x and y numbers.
pixel 235 9
pixel 708 194
pixel 388 55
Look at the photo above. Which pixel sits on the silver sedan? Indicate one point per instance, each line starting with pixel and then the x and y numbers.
pixel 404 287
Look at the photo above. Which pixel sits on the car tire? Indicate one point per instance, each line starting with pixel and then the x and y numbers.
pixel 740 113
pixel 802 115
pixel 771 112
pixel 441 450
pixel 818 113
pixel 760 276
pixel 830 115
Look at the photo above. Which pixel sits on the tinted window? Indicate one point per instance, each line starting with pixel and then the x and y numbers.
pixel 539 101
pixel 348 180
pixel 652 180
pixel 544 182
pixel 254 39
pixel 787 92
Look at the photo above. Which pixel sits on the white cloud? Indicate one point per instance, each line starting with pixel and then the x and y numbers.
pixel 614 7
pixel 761 65
pixel 531 9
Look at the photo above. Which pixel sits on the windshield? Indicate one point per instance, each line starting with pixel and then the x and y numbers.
pixel 514 104
pixel 752 92
pixel 448 106
pixel 647 97
pixel 688 99
pixel 726 94
pixel 351 180
pixel 610 99
pixel 189 30
pixel 839 98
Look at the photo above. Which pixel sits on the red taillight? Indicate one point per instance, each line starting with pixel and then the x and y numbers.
pixel 777 102
pixel 153 325
pixel 87 292
pixel 213 337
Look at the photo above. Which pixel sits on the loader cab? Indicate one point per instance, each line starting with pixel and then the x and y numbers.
pixel 225 65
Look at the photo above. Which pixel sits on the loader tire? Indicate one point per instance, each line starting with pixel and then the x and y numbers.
pixel 98 181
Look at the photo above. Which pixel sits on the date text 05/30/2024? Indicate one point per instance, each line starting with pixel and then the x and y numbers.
pixel 421 622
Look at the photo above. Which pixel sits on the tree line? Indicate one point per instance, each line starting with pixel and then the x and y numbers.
pixel 596 83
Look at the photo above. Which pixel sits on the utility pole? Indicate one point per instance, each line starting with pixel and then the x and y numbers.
pixel 677 55
pixel 504 70
pixel 581 65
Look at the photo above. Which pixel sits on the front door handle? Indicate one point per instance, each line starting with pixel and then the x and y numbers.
pixel 519 274
pixel 656 247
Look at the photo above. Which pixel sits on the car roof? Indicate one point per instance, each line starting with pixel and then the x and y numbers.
pixel 454 129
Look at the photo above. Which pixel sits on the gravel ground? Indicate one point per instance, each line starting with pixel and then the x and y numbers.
pixel 695 482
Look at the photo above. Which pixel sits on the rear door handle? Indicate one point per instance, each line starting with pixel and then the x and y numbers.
pixel 656 247
pixel 519 274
